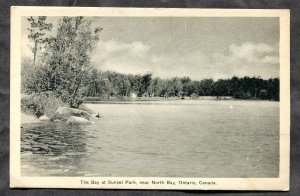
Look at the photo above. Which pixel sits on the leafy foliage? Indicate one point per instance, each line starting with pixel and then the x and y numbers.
pixel 66 59
pixel 38 27
pixel 109 83
pixel 41 103
pixel 69 57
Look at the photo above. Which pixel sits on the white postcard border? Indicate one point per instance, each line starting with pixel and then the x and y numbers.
pixel 16 180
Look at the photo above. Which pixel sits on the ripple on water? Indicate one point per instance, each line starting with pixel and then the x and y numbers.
pixel 191 139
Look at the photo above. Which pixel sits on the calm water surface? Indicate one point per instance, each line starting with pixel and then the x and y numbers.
pixel 159 139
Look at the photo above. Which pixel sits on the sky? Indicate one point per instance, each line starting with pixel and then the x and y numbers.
pixel 198 47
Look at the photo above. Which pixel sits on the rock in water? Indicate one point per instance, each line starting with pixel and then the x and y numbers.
pixel 96 115
pixel 74 120
pixel 64 113
pixel 44 118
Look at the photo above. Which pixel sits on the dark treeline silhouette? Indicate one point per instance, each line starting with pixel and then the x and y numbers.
pixel 116 84
pixel 108 84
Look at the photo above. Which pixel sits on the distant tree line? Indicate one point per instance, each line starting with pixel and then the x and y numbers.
pixel 108 83
pixel 117 84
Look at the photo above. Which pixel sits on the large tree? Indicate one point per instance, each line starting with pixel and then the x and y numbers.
pixel 68 56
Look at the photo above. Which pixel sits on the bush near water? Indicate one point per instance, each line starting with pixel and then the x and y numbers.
pixel 41 103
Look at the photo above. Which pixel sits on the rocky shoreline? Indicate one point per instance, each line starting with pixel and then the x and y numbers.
pixel 63 114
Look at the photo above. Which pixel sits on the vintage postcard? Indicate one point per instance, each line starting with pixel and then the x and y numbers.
pixel 147 98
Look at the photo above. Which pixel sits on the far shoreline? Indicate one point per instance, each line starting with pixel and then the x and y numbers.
pixel 95 100
pixel 31 118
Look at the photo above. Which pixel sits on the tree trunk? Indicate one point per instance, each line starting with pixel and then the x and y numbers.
pixel 34 51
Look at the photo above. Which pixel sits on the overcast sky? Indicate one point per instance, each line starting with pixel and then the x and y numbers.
pixel 195 47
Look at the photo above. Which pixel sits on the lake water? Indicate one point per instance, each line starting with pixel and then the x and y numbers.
pixel 159 139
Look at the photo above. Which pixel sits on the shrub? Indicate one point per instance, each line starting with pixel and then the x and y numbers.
pixel 41 103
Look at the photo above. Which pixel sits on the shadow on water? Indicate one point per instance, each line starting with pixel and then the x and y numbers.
pixel 52 145
pixel 53 139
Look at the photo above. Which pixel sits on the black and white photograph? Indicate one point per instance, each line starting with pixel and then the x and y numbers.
pixel 177 99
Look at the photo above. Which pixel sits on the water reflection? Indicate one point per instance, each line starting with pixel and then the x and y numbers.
pixel 53 146
pixel 54 139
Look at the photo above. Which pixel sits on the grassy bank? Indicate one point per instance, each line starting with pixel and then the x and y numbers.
pixel 39 104
pixel 46 103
